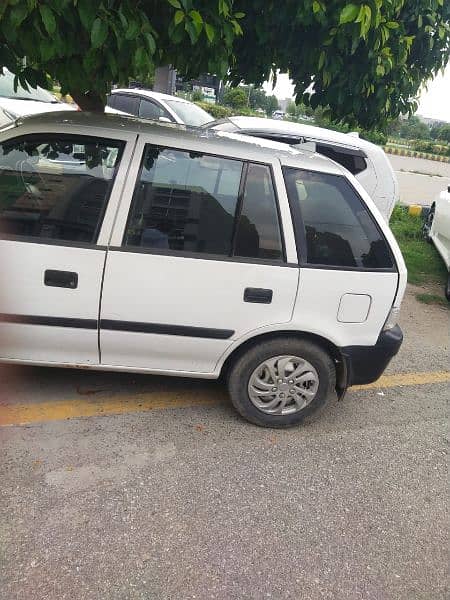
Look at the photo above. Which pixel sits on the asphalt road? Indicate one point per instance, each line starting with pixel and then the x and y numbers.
pixel 192 502
pixel 420 180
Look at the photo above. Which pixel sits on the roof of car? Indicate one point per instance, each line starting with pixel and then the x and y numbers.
pixel 286 127
pixel 214 142
pixel 149 94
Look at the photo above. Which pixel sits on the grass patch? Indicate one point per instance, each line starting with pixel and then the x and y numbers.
pixel 433 299
pixel 422 259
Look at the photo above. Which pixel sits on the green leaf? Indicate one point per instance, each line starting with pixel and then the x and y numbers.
pixel 87 13
pixel 140 57
pixel 392 25
pixel 99 32
pixel 174 3
pixel 316 7
pixel 179 16
pixel 192 31
pixel 123 19
pixel 321 60
pixel 47 49
pixel 349 13
pixel 48 19
pixel 210 32
pixel 150 43
pixel 18 14
pixel 132 31
pixel 196 16
pixel 239 15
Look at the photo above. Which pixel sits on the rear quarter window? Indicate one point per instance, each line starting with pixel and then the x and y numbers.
pixel 333 225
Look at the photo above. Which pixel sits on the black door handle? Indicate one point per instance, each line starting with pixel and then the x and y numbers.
pixel 258 295
pixel 64 279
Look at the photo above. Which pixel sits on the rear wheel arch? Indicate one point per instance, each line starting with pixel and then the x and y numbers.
pixel 321 342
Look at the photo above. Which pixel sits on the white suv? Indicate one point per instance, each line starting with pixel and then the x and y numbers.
pixel 366 161
pixel 133 246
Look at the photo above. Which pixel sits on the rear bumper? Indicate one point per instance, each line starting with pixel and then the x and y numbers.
pixel 365 364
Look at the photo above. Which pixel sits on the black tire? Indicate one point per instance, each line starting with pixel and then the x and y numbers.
pixel 241 371
pixel 447 288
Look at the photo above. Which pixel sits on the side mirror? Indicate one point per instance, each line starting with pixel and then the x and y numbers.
pixel 164 120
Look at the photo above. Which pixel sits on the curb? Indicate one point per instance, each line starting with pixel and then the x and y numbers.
pixel 415 154
pixel 416 210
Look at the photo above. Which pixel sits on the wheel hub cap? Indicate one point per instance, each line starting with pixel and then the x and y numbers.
pixel 283 385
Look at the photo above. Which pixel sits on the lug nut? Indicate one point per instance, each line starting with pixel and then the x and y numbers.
pixel 274 389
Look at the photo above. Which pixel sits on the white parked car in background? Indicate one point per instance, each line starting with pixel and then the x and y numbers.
pixel 136 246
pixel 437 230
pixel 158 107
pixel 366 161
pixel 22 102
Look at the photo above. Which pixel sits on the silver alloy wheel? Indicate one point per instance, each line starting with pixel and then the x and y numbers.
pixel 283 385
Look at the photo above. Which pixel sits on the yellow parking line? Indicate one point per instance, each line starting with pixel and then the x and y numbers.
pixel 23 414
pixel 387 381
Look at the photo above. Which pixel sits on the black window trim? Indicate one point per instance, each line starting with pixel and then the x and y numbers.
pixel 207 256
pixel 351 150
pixel 69 243
pixel 300 237
pixel 158 105
pixel 128 95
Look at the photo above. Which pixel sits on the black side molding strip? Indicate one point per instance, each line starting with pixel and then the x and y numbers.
pixel 163 329
pixel 132 326
pixel 50 321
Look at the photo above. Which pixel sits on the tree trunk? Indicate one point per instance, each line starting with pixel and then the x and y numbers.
pixel 89 101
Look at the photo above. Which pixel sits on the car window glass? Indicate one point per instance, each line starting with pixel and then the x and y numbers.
pixel 184 201
pixel 8 89
pixel 337 227
pixel 258 230
pixel 56 186
pixel 352 162
pixel 189 113
pixel 151 110
pixel 127 103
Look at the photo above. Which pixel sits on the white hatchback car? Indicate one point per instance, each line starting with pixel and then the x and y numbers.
pixel 147 104
pixel 136 246
pixel 366 161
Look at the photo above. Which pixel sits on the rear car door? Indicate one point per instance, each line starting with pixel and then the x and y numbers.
pixel 54 226
pixel 202 250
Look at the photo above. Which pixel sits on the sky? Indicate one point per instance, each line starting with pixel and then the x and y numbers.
pixel 434 102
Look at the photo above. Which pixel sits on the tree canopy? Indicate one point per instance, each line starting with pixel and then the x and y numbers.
pixel 366 59
pixel 88 45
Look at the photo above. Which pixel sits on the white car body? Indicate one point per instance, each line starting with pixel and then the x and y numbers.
pixel 156 106
pixel 105 304
pixel 439 232
pixel 377 176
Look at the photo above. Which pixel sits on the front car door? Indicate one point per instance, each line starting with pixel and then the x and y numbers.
pixel 202 250
pixel 55 222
